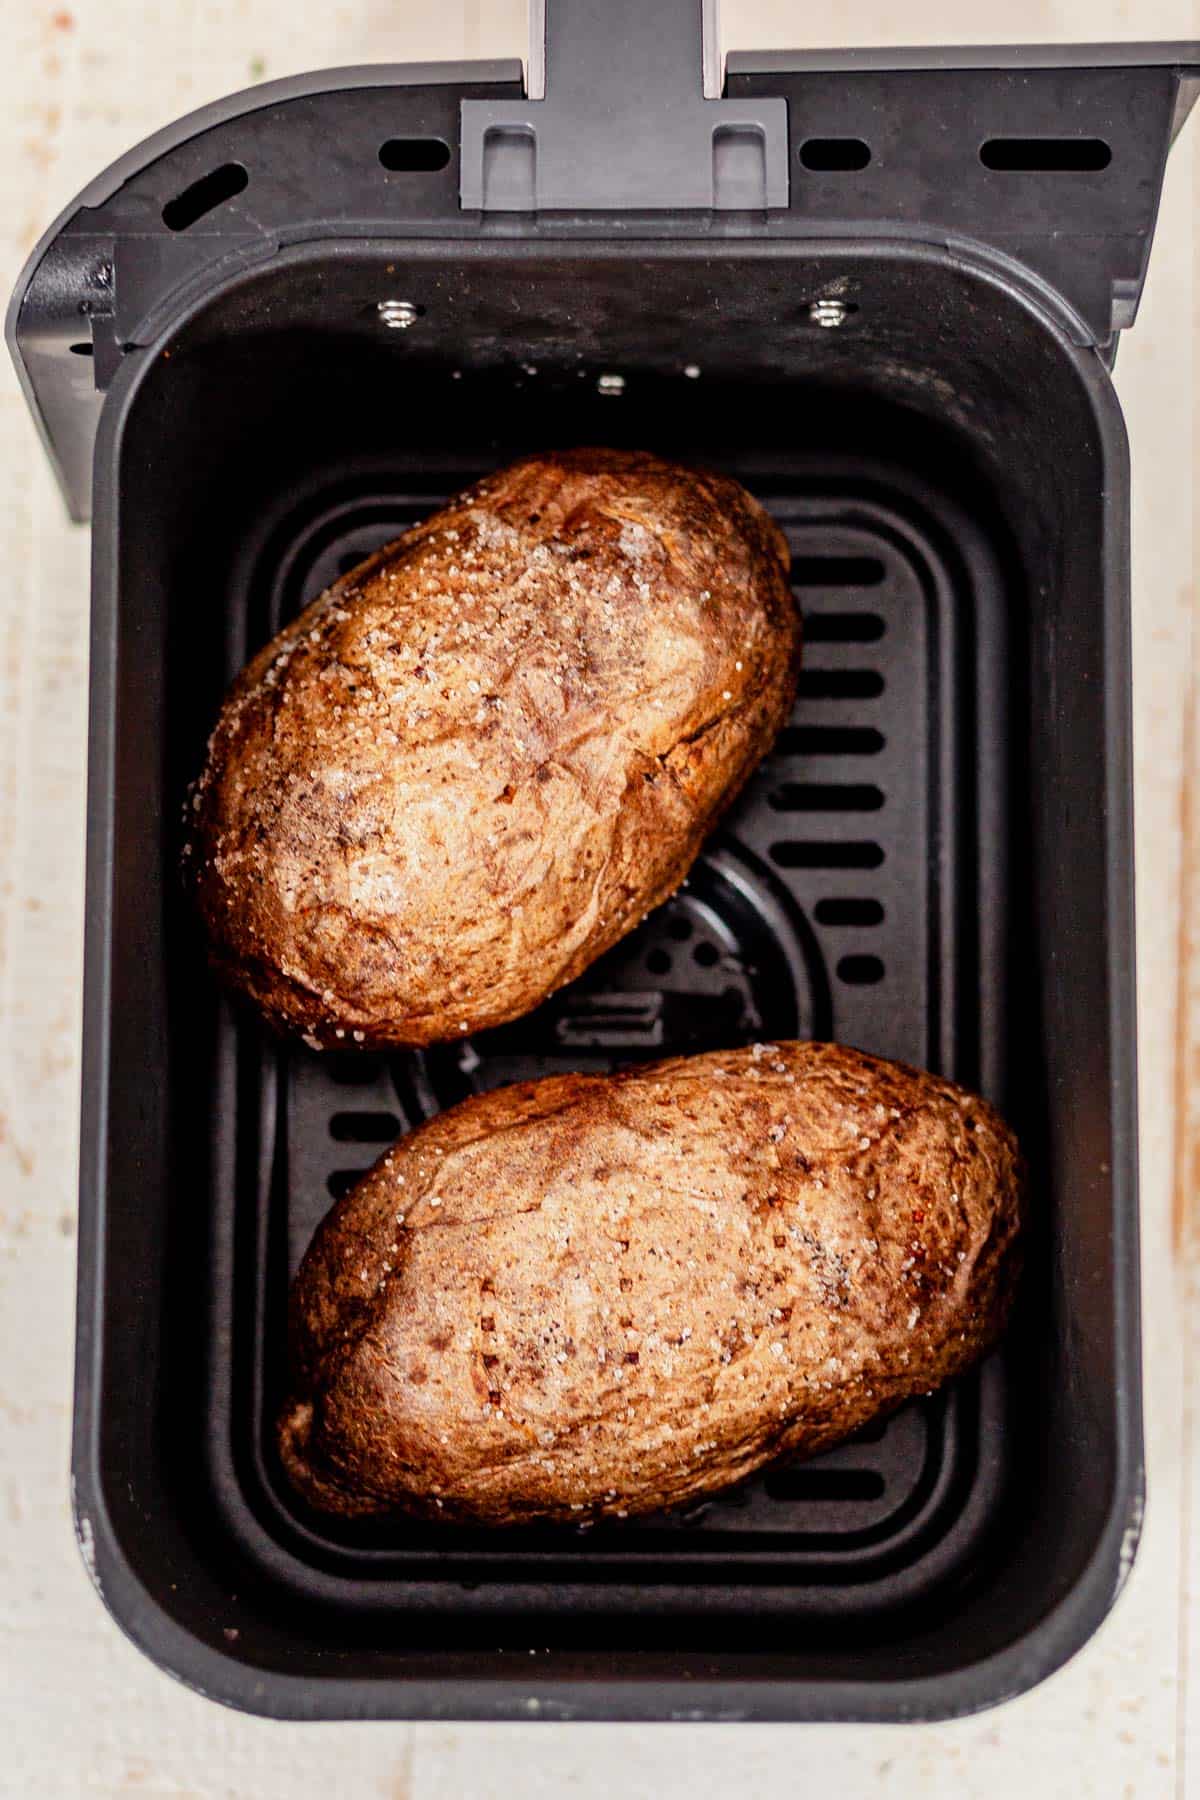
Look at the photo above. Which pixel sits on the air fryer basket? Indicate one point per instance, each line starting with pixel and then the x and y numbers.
pixel 934 863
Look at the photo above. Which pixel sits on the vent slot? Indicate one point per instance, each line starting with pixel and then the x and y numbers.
pixel 837 571
pixel 364 1127
pixel 414 156
pixel 353 1071
pixel 824 1484
pixel 843 628
pixel 829 740
pixel 1046 156
pixel 834 155
pixel 812 796
pixel 790 855
pixel 212 190
pixel 860 971
pixel 839 684
pixel 848 912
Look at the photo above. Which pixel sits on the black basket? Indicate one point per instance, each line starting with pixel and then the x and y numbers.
pixel 858 285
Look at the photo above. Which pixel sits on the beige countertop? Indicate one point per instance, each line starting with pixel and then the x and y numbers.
pixel 81 1712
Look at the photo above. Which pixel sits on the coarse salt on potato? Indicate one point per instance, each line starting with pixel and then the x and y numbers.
pixel 482 757
pixel 602 1295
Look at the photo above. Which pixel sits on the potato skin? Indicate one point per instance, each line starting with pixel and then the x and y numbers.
pixel 592 1295
pixel 484 755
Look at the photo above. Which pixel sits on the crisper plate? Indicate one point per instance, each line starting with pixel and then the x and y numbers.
pixel 840 898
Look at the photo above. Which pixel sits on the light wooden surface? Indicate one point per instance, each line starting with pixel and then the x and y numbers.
pixel 80 1711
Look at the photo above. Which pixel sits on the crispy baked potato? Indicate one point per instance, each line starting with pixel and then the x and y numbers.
pixel 596 1295
pixel 484 755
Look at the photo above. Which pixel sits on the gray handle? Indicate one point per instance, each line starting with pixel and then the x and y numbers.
pixel 624 124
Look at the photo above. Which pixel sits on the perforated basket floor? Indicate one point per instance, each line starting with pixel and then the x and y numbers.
pixel 843 897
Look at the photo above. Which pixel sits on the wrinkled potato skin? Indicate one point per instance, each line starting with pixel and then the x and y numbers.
pixel 594 1295
pixel 483 756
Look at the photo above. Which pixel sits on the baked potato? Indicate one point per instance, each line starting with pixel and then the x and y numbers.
pixel 484 755
pixel 598 1295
